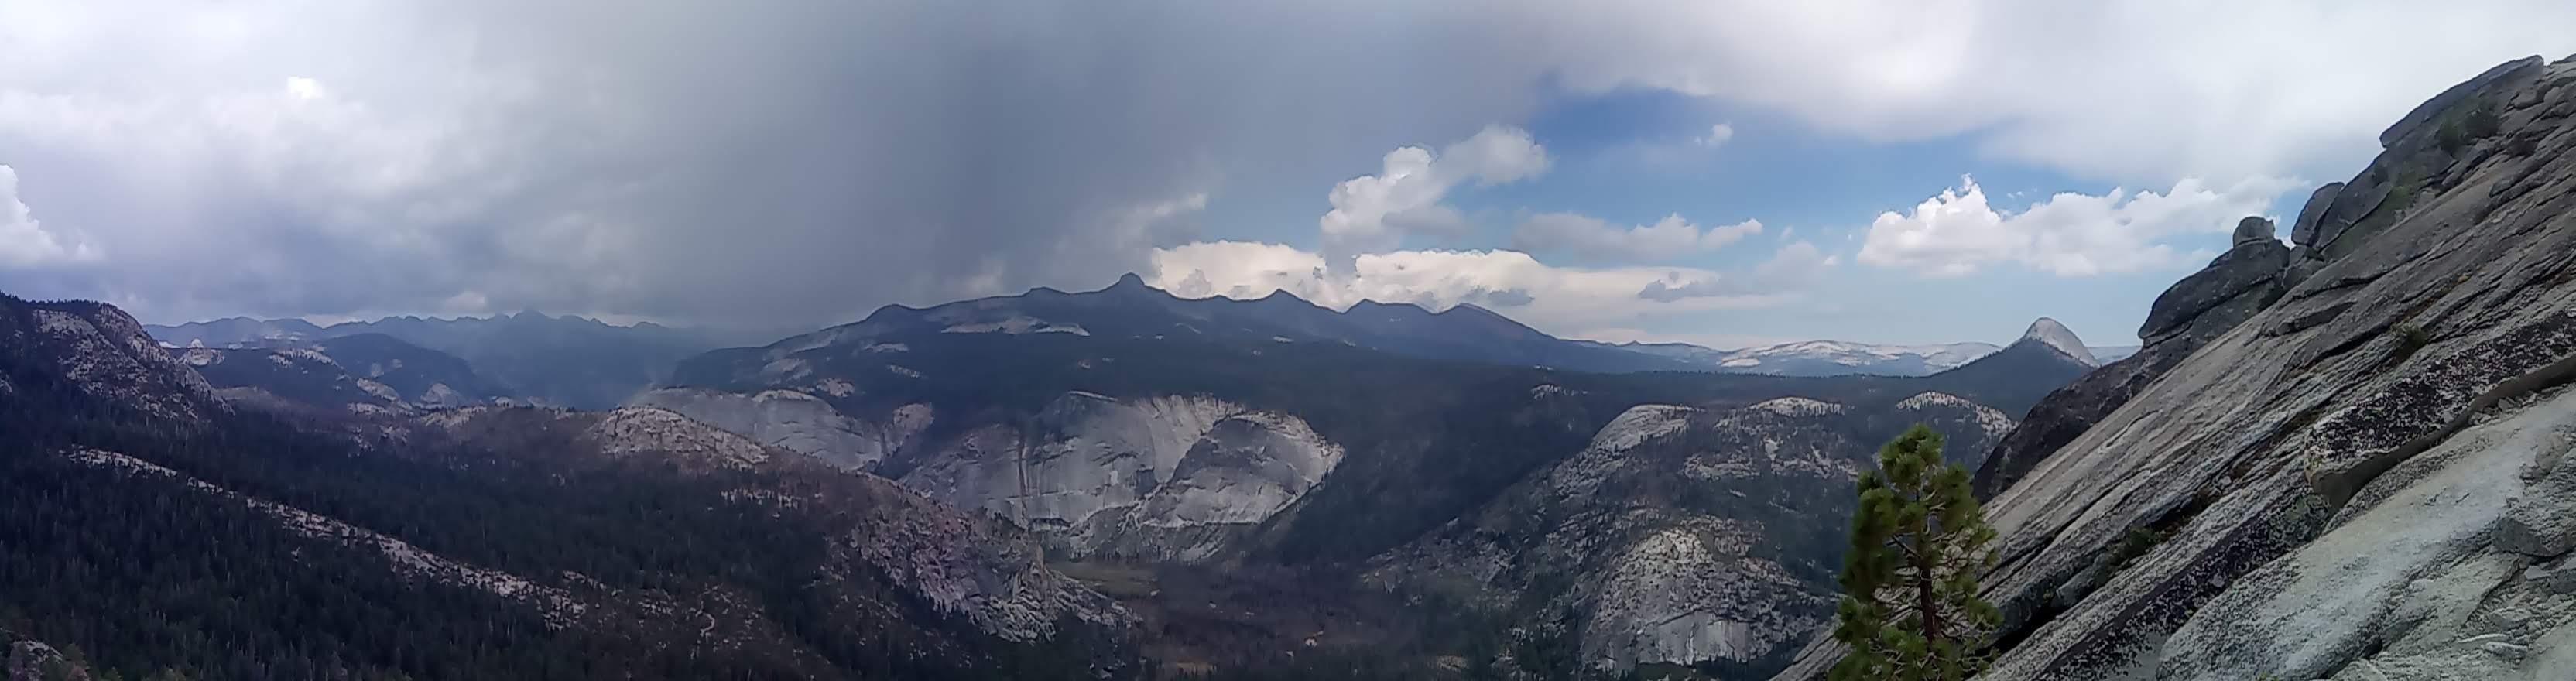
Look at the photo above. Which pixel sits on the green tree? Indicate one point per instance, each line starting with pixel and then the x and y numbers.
pixel 1910 610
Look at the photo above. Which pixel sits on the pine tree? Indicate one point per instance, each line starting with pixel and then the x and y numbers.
pixel 1910 610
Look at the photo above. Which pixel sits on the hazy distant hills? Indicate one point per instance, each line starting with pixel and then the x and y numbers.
pixel 1215 439
pixel 569 360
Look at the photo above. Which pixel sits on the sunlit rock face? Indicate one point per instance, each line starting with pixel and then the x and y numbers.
pixel 1166 477
pixel 2366 477
pixel 1682 534
pixel 798 422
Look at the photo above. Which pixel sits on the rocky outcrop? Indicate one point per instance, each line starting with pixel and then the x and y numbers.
pixel 1167 478
pixel 2417 578
pixel 799 422
pixel 2239 283
pixel 1680 534
pixel 969 565
pixel 104 353
pixel 2352 483
pixel 25 660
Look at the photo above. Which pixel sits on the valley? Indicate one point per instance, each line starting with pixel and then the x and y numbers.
pixel 1425 341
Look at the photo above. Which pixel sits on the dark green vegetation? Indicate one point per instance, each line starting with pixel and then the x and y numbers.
pixel 1910 609
pixel 2411 338
pixel 681 577
pixel 675 577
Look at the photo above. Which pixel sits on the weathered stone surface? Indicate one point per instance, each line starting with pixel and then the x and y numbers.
pixel 2067 412
pixel 798 422
pixel 103 352
pixel 2325 485
pixel 2304 231
pixel 1167 478
pixel 2541 523
pixel 34 661
pixel 2253 229
pixel 2413 556
pixel 1672 537
pixel 2249 267
pixel 2432 109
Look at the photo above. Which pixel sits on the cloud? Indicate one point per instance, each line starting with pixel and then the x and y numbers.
pixel 1958 232
pixel 1592 237
pixel 808 162
pixel 1565 300
pixel 24 242
pixel 2125 90
pixel 1717 134
pixel 1794 267
pixel 1373 212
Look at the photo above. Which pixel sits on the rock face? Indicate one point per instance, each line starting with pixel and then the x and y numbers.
pixel 2057 337
pixel 2239 282
pixel 2247 278
pixel 102 351
pixel 1680 534
pixel 965 564
pixel 1167 478
pixel 24 660
pixel 799 422
pixel 2353 483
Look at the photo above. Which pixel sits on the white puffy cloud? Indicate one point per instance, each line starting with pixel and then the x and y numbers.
pixel 2069 234
pixel 24 242
pixel 1373 212
pixel 1593 237
pixel 1574 301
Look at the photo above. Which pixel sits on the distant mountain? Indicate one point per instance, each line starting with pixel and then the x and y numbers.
pixel 1817 358
pixel 569 361
pixel 1130 309
pixel 2047 356
pixel 1229 437
pixel 365 373
pixel 234 331
pixel 151 531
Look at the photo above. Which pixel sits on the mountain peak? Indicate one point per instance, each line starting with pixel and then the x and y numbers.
pixel 1128 282
pixel 2056 336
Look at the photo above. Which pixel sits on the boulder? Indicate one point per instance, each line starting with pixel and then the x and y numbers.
pixel 2304 231
pixel 2251 267
pixel 2253 230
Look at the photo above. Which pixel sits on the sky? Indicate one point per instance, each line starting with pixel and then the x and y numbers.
pixel 1723 173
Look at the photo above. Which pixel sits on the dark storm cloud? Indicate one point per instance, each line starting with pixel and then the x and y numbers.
pixel 699 162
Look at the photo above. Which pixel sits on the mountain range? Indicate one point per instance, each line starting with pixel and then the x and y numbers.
pixel 2345 457
pixel 1310 469
pixel 567 361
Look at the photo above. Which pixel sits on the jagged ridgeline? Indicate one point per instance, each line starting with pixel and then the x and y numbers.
pixel 2348 458
pixel 148 526
pixel 1251 479
pixel 1594 521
